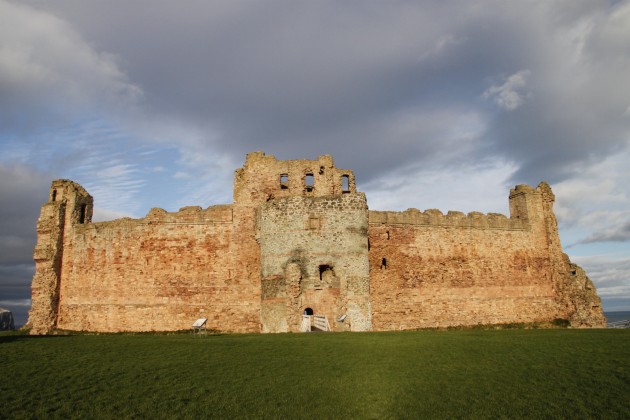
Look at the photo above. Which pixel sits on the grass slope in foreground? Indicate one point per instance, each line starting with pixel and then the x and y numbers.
pixel 426 374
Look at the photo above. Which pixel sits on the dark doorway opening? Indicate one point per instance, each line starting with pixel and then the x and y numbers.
pixel 323 269
pixel 308 311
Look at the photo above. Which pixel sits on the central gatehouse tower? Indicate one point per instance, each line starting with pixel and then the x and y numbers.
pixel 311 227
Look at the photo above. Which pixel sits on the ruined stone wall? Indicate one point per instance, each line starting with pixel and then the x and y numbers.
pixel 299 236
pixel 159 273
pixel 435 270
pixel 314 255
pixel 68 205
pixel 264 178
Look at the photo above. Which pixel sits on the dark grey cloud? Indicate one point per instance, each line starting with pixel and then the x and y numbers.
pixel 16 282
pixel 50 77
pixel 307 78
pixel 619 233
pixel 22 192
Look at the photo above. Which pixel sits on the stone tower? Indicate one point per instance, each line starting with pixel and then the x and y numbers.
pixel 311 226
pixel 68 205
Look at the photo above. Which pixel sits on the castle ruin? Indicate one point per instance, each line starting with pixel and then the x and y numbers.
pixel 299 237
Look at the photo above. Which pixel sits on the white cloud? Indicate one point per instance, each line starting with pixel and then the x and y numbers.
pixel 101 215
pixel 47 68
pixel 592 205
pixel 464 187
pixel 17 302
pixel 609 272
pixel 181 175
pixel 512 93
pixel 617 227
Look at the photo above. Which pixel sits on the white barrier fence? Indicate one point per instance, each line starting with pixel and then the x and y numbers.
pixel 306 323
pixel 321 322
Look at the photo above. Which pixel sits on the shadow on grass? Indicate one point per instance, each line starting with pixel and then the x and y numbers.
pixel 14 336
pixel 22 334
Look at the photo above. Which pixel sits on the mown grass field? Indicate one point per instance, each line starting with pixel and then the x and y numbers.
pixel 425 374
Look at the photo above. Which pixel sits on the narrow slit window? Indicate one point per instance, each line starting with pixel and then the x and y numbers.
pixel 284 182
pixel 54 195
pixel 82 213
pixel 309 182
pixel 383 263
pixel 345 183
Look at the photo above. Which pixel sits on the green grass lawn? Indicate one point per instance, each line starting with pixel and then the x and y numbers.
pixel 425 374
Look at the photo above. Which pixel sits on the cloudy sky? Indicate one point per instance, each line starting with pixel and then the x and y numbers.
pixel 433 104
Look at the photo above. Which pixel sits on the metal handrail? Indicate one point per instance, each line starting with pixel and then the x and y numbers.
pixel 619 324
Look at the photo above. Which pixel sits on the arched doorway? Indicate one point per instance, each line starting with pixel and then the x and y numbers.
pixel 307 320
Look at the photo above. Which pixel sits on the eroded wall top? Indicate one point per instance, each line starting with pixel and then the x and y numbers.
pixel 263 178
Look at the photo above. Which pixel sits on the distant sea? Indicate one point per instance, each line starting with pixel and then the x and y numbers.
pixel 617 316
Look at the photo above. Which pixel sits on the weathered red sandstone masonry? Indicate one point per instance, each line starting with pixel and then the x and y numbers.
pixel 297 238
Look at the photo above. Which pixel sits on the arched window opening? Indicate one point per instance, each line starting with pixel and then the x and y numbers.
pixel 308 311
pixel 54 195
pixel 284 182
pixel 345 183
pixel 383 263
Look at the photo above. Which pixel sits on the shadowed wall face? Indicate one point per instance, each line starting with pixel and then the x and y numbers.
pixel 314 255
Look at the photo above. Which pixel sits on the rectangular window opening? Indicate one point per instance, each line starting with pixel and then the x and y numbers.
pixel 284 182
pixel 345 183
pixel 309 182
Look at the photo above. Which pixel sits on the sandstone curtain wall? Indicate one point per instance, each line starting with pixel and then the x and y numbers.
pixel 157 273
pixel 433 270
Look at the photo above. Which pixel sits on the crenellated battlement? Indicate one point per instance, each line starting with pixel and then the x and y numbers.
pixel 190 215
pixel 526 208
pixel 453 219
